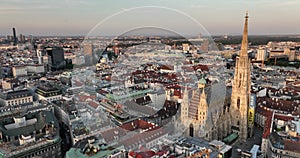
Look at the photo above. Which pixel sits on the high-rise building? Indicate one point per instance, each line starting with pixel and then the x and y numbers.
pixel 241 87
pixel 88 53
pixel 204 46
pixel 22 38
pixel 88 49
pixel 292 53
pixel 15 36
pixel 56 58
pixel 261 54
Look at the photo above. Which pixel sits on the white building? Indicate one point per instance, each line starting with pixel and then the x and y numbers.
pixel 19 70
pixel 35 68
pixel 16 97
pixel 261 54
pixel 48 92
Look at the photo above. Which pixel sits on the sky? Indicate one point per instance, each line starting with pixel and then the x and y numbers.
pixel 88 17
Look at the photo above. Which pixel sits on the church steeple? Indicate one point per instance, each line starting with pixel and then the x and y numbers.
pixel 241 89
pixel 202 107
pixel 203 95
pixel 244 47
pixel 184 105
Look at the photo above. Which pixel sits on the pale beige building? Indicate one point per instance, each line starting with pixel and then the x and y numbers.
pixel 15 97
pixel 19 70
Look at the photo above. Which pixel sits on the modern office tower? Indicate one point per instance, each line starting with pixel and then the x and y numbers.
pixel 241 87
pixel 56 58
pixel 22 38
pixel 261 54
pixel 88 53
pixel 292 54
pixel 15 36
pixel 88 49
pixel 9 38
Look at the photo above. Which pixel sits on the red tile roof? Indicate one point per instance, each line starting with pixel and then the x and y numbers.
pixel 83 98
pixel 292 145
pixel 112 134
pixel 201 67
pixel 145 154
pixel 283 117
pixel 93 104
pixel 78 84
pixel 277 104
pixel 144 137
pixel 167 67
pixel 261 110
pixel 268 123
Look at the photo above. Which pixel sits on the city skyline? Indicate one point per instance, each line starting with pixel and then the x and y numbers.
pixel 74 17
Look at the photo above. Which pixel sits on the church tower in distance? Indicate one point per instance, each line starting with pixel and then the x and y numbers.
pixel 241 87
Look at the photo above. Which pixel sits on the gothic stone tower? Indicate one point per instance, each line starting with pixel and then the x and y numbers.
pixel 240 96
pixel 194 113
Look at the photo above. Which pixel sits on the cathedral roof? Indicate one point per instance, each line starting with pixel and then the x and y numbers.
pixel 216 94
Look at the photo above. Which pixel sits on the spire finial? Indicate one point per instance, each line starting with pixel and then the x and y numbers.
pixel 246 14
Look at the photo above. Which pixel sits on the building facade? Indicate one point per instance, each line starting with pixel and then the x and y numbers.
pixel 56 58
pixel 208 113
pixel 19 70
pixel 261 54
pixel 15 97
pixel 48 92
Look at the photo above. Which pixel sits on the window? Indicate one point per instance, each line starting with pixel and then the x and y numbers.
pixel 238 102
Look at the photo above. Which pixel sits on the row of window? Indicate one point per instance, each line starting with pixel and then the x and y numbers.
pixel 53 98
pixel 19 96
pixel 55 151
pixel 19 101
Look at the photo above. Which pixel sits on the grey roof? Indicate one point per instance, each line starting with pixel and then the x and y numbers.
pixel 216 102
pixel 15 94
pixel 43 118
pixel 132 106
pixel 216 95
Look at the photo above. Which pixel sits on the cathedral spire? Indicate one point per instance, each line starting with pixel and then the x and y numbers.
pixel 203 102
pixel 244 47
pixel 241 89
pixel 185 97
